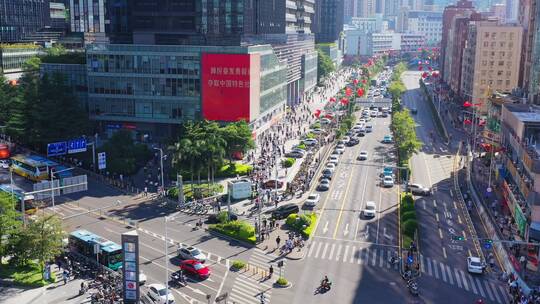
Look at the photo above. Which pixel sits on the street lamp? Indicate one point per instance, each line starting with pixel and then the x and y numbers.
pixel 52 182
pixel 161 161
pixel 167 219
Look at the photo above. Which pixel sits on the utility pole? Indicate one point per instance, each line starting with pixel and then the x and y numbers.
pixel 162 173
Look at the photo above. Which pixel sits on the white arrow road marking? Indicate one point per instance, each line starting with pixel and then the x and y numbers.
pixel 346 231
pixel 325 229
pixel 387 236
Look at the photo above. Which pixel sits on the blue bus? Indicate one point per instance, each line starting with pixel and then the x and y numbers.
pixel 83 242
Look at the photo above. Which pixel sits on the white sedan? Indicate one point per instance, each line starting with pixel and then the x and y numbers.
pixel 363 155
pixel 312 200
pixel 334 159
pixel 370 209
pixel 191 253
pixel 475 265
pixel 159 294
pixel 340 148
pixel 388 181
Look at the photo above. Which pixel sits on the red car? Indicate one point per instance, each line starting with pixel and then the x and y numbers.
pixel 195 268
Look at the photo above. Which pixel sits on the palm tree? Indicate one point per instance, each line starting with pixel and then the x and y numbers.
pixel 186 152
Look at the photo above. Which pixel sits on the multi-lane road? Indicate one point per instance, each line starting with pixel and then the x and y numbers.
pixel 348 247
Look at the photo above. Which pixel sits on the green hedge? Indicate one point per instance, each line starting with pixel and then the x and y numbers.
pixel 240 230
pixel 301 146
pixel 234 170
pixel 309 220
pixel 237 265
pixel 288 162
pixel 199 191
pixel 408 219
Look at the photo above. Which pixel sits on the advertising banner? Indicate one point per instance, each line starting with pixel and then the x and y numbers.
pixel 230 86
pixel 130 266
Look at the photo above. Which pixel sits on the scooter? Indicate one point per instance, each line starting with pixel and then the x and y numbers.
pixel 178 279
pixel 324 287
pixel 413 287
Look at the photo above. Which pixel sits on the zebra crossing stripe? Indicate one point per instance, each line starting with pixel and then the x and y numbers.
pixel 324 250
pixel 365 256
pixel 489 291
pixel 311 248
pixel 345 253
pixel 443 273
pixel 353 254
pixel 465 284
pixel 318 250
pixel 504 294
pixel 338 252
pixel 428 261
pixel 381 257
pixel 472 283
pixel 374 259
pixel 435 269
pixel 449 275
pixel 480 289
pixel 495 292
pixel 422 266
pixel 331 254
pixel 457 278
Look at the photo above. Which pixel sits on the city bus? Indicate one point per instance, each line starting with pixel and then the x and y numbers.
pixel 83 242
pixel 36 168
pixel 18 194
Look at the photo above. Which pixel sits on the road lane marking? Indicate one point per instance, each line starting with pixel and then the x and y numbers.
pixel 458 281
pixel 324 250
pixel 422 264
pixel 343 203
pixel 465 284
pixel 449 275
pixel 443 273
pixel 374 257
pixel 470 253
pixel 345 253
pixel 437 216
pixel 311 248
pixel 424 204
pixel 353 253
pixel 428 261
pixel 480 289
pixel 222 282
pixel 357 226
pixel 331 253
pixel 444 253
pixel 455 205
pixel 346 231
pixel 381 257
pixel 318 250
pixel 464 235
pixel 325 229
pixel 434 202
pixel 452 195
pixel 440 233
pixel 435 269
pixel 488 290
pixel 459 219
pixel 338 252
pixel 495 292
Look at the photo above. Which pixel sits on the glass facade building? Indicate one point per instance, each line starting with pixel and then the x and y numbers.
pixel 13 56
pixel 154 87
pixel 19 18
pixel 74 77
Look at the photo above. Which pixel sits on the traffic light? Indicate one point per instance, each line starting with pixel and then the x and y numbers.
pixel 457 238
pixel 488 243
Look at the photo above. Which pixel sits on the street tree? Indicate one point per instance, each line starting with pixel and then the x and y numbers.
pixel 238 137
pixel 404 129
pixel 325 65
pixel 46 235
pixel 214 147
pixel 9 223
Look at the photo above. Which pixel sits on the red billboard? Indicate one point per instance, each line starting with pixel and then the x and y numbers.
pixel 230 86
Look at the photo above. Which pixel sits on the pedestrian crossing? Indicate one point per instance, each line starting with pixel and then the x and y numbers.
pixel 352 253
pixel 485 288
pixel 378 256
pixel 248 288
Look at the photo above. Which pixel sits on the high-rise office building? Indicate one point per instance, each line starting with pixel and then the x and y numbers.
pixel 512 10
pixel 490 60
pixel 366 8
pixel 87 16
pixel 449 13
pixel 19 18
pixel 350 10
pixel 328 21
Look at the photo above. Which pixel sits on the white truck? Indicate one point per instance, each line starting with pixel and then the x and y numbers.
pixel 240 189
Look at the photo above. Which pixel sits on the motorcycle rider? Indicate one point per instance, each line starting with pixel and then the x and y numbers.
pixel 325 283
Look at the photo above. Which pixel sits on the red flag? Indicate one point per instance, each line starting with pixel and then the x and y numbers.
pixel 329 116
pixel 360 92
pixel 481 122
pixel 348 91
pixel 344 101
pixel 364 81
pixel 467 104
pixel 434 74
pixel 355 81
pixel 467 121
pixel 430 68
pixel 317 113
pixel 424 75
pixel 332 99
pixel 420 68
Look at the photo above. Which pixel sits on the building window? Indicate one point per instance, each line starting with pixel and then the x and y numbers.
pixel 502 44
pixel 499 73
pixel 508 82
pixel 499 82
pixel 483 73
pixel 486 44
pixel 493 35
pixel 484 62
pixel 511 36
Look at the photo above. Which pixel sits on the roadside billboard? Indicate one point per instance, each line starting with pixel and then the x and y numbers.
pixel 230 86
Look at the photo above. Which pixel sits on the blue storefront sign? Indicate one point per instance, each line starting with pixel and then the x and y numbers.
pixel 76 145
pixel 57 148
